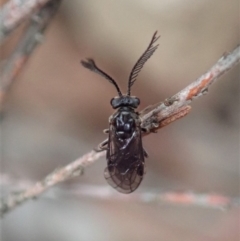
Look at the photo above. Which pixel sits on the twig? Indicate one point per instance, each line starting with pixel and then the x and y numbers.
pixel 30 39
pixel 199 87
pixel 14 12
pixel 153 118
pixel 208 200
pixel 71 170
pixel 106 193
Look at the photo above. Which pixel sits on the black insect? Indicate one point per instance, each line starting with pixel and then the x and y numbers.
pixel 125 154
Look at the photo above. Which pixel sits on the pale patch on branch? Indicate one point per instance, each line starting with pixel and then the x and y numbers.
pixel 14 12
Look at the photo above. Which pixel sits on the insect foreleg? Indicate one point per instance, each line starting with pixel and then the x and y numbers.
pixel 150 125
pixel 145 153
pixel 106 131
pixel 102 146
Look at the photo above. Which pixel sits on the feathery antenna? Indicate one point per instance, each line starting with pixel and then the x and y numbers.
pixel 90 64
pixel 141 61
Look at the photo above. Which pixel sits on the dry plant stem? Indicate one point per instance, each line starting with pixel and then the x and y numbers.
pixel 30 39
pixel 187 198
pixel 163 111
pixel 14 12
pixel 73 169
pixel 209 200
pixel 192 91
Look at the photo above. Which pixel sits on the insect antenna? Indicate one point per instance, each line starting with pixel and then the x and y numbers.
pixel 141 61
pixel 90 64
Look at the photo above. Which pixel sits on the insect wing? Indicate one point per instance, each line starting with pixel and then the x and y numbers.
pixel 125 157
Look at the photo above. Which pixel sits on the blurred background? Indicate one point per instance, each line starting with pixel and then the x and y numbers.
pixel 56 110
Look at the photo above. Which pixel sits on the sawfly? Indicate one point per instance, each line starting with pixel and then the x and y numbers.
pixel 125 153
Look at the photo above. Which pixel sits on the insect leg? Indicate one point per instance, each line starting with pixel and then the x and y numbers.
pixel 145 153
pixel 101 146
pixel 106 131
pixel 151 126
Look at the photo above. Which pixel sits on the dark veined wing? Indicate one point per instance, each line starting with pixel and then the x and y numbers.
pixel 125 158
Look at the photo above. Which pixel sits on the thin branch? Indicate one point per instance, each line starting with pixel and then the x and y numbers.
pixel 187 198
pixel 14 12
pixel 29 41
pixel 59 175
pixel 199 87
pixel 106 193
pixel 153 118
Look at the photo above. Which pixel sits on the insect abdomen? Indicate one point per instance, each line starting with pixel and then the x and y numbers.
pixel 125 155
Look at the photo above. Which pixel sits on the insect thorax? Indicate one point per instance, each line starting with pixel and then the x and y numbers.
pixel 125 121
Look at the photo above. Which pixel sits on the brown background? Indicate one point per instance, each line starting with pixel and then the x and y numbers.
pixel 56 110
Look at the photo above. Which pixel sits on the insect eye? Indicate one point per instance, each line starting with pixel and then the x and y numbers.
pixel 115 102
pixel 135 102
